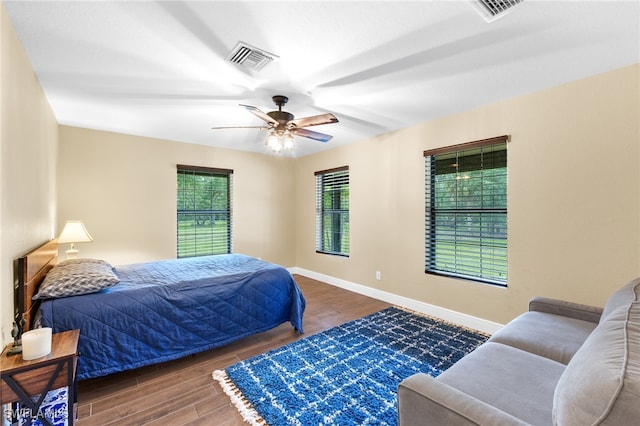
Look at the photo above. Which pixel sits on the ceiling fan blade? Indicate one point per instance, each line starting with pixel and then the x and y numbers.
pixel 306 133
pixel 314 120
pixel 260 114
pixel 242 127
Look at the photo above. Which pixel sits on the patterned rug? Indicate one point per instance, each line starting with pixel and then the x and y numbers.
pixel 347 375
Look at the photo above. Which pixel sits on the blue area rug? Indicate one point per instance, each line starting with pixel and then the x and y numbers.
pixel 347 375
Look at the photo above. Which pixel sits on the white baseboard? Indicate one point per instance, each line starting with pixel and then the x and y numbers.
pixel 415 305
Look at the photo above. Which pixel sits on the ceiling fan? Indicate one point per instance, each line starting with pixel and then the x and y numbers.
pixel 283 125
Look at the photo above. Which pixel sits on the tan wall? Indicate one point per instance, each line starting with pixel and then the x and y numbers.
pixel 573 188
pixel 28 140
pixel 124 189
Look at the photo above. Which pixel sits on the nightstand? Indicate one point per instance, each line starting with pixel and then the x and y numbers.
pixel 22 379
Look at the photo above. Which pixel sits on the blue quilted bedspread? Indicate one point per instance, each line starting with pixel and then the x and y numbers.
pixel 169 309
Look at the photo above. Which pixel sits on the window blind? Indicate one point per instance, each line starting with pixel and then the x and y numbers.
pixel 332 211
pixel 204 219
pixel 466 211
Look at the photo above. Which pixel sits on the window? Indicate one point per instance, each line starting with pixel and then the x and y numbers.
pixel 332 211
pixel 204 211
pixel 466 210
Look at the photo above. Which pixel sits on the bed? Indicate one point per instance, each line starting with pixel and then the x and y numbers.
pixel 157 311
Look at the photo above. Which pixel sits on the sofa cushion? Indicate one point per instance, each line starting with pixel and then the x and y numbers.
pixel 424 400
pixel 552 336
pixel 622 297
pixel 601 384
pixel 514 381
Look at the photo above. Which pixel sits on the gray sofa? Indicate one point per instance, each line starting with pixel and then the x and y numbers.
pixel 560 363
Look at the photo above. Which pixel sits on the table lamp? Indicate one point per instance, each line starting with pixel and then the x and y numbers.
pixel 74 232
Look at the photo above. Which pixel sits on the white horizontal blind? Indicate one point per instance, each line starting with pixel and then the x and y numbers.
pixel 204 219
pixel 466 211
pixel 332 211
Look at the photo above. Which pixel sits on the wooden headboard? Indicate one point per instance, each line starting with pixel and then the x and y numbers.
pixel 29 272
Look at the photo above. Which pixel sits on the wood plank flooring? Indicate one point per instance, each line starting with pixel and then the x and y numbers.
pixel 182 392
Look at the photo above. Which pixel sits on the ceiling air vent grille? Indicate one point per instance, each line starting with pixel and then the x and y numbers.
pixel 250 57
pixel 494 9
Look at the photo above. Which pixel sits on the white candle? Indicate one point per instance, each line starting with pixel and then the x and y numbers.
pixel 36 343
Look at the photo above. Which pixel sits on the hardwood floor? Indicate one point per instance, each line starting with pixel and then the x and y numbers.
pixel 182 392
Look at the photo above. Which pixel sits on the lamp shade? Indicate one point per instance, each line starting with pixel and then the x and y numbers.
pixel 74 232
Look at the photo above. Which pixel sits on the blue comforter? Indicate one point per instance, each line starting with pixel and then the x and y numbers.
pixel 169 309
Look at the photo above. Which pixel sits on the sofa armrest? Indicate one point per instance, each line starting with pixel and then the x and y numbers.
pixel 424 400
pixel 565 309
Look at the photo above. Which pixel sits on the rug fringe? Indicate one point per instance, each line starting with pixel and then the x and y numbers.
pixel 248 413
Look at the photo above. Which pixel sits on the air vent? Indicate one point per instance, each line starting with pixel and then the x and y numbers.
pixel 250 57
pixel 494 9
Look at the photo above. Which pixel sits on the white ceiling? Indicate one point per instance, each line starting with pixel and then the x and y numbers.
pixel 158 69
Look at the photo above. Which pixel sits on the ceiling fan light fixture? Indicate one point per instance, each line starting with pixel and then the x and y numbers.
pixel 288 142
pixel 274 143
pixel 279 140
pixel 283 126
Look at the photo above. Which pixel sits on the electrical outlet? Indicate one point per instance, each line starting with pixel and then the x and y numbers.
pixel 378 275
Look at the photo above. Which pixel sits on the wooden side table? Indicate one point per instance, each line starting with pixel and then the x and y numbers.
pixel 22 379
